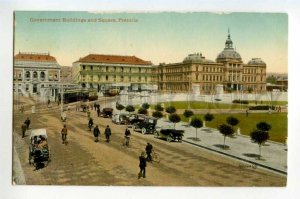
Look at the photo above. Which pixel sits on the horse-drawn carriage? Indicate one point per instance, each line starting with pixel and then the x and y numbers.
pixel 39 151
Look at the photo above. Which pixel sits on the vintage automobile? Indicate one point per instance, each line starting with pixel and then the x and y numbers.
pixel 134 118
pixel 120 118
pixel 169 134
pixel 146 125
pixel 107 112
pixel 39 150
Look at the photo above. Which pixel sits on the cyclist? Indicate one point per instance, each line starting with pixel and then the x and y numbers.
pixel 90 124
pixel 127 137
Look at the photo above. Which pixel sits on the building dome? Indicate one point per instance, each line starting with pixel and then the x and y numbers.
pixel 256 61
pixel 196 58
pixel 229 52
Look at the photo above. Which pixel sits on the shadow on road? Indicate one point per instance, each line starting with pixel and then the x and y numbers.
pixel 221 146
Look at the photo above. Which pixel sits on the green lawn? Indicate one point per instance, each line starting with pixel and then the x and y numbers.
pixel 200 105
pixel 210 105
pixel 278 122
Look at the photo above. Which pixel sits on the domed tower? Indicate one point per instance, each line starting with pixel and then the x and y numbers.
pixel 233 65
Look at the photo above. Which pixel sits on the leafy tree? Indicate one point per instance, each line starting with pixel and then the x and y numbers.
pixel 171 109
pixel 196 123
pixel 174 118
pixel 263 126
pixel 208 117
pixel 232 121
pixel 158 107
pixel 143 111
pixel 157 114
pixel 145 106
pixel 119 107
pixel 188 113
pixel 226 130
pixel 130 108
pixel 259 136
pixel 272 79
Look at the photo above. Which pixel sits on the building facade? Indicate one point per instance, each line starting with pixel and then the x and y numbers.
pixel 36 74
pixel 228 70
pixel 102 72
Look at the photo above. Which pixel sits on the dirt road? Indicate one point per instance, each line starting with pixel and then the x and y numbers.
pixel 85 162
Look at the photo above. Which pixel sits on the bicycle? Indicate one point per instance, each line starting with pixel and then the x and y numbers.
pixel 155 157
pixel 126 140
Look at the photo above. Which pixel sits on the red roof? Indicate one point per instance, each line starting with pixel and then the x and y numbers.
pixel 114 59
pixel 34 57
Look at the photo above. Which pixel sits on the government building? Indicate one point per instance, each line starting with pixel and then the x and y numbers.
pixel 228 72
pixel 36 74
pixel 104 72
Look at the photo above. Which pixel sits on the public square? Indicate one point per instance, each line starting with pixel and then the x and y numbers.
pixel 85 162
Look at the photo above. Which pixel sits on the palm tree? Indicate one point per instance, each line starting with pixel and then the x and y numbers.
pixel 174 118
pixel 258 136
pixel 196 123
pixel 226 130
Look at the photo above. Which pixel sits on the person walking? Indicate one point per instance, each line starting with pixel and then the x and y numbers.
pixel 148 149
pixel 64 133
pixel 96 133
pixel 127 137
pixel 142 165
pixel 107 133
pixel 23 127
pixel 98 112
pixel 27 122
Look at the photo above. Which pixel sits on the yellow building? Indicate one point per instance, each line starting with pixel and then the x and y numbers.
pixel 103 72
pixel 228 70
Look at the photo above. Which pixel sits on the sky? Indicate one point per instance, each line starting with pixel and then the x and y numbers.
pixel 154 36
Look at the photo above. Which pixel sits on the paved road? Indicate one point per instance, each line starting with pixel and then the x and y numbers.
pixel 84 162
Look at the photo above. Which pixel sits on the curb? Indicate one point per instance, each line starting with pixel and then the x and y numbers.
pixel 236 157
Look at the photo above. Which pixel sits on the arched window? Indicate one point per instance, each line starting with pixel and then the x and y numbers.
pixel 42 76
pixel 27 75
pixel 35 75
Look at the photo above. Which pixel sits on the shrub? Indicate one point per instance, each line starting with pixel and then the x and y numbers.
pixel 240 101
pixel 143 111
pixel 130 108
pixel 188 113
pixel 208 117
pixel 263 126
pixel 174 118
pixel 145 106
pixel 158 107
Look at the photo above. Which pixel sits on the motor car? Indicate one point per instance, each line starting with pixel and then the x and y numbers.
pixel 169 134
pixel 120 118
pixel 107 112
pixel 146 125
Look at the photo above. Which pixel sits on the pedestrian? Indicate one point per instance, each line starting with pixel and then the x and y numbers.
pixel 95 105
pixel 107 133
pixel 64 133
pixel 98 112
pixel 142 165
pixel 88 113
pixel 48 102
pixel 96 133
pixel 247 113
pixel 23 127
pixel 148 149
pixel 279 109
pixel 27 122
pixel 127 137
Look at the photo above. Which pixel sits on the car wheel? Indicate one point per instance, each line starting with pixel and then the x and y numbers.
pixel 169 139
pixel 144 130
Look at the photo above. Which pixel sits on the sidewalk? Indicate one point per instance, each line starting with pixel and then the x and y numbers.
pixel 274 155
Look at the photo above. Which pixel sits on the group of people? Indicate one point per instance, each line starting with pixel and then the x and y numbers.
pixel 96 131
pixel 143 160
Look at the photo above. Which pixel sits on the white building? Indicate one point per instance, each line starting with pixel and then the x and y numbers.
pixel 36 74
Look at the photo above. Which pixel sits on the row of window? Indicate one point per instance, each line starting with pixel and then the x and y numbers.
pixel 114 78
pixel 35 76
pixel 116 69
